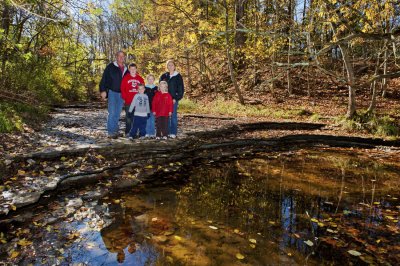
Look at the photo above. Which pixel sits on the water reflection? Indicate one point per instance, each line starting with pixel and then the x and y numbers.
pixel 305 207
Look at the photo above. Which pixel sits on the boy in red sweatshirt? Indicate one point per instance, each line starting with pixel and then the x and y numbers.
pixel 162 108
pixel 129 88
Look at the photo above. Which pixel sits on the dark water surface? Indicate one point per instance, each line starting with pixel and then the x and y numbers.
pixel 305 207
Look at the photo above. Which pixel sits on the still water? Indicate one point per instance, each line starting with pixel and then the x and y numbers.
pixel 314 207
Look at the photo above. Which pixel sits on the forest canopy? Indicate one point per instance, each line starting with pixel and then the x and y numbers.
pixel 54 51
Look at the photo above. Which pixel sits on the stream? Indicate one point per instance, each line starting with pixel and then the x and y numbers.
pixel 316 206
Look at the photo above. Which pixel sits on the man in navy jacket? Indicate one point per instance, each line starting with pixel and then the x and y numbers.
pixel 110 87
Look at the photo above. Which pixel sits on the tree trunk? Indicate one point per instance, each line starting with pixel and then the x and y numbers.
pixel 351 107
pixel 385 58
pixel 240 37
pixel 229 55
pixel 372 105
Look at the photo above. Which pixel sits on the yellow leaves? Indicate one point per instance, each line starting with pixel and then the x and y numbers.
pixel 213 227
pixel 23 242
pixel 252 240
pixel 21 172
pixel 148 167
pixel 14 254
pixel 2 238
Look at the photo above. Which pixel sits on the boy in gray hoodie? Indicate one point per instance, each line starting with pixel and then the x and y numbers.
pixel 140 109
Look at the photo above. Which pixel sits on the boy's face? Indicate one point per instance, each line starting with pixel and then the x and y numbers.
pixel 132 70
pixel 150 80
pixel 141 89
pixel 163 88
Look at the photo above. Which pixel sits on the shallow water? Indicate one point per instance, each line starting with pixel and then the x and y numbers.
pixel 304 207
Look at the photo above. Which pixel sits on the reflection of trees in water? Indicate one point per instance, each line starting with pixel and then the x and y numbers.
pixel 230 195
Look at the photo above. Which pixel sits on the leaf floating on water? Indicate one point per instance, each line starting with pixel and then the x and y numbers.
pixel 213 227
pixel 354 253
pixel 178 238
pixel 252 240
pixel 309 243
pixel 314 220
pixel 377 203
pixel 149 166
pixel 239 256
pixel 330 231
pixel 236 231
pixel 320 224
pixel 252 246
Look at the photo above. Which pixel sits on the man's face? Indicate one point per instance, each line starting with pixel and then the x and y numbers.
pixel 120 58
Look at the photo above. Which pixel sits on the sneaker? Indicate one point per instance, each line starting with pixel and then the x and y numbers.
pixel 147 136
pixel 172 136
pixel 165 137
pixel 157 138
pixel 131 138
pixel 143 137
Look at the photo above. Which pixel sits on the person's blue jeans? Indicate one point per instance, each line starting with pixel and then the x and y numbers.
pixel 139 123
pixel 115 104
pixel 150 126
pixel 173 122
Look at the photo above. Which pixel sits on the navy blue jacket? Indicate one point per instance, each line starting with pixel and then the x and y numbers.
pixel 175 85
pixel 151 92
pixel 112 78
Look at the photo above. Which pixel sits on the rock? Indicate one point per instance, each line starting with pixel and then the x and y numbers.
pixel 93 195
pixel 144 218
pixel 126 183
pixel 75 203
pixel 51 185
pixel 7 162
pixel 48 169
pixel 26 199
pixel 160 239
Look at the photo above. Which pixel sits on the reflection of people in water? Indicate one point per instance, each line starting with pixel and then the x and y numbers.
pixel 117 237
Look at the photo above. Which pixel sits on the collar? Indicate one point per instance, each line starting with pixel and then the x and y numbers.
pixel 174 74
pixel 125 68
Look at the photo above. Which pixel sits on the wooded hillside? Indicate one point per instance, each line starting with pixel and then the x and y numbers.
pixel 54 51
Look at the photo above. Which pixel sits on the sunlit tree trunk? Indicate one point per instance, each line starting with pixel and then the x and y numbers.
pixel 351 106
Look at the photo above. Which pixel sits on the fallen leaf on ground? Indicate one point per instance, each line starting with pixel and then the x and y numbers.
pixel 354 252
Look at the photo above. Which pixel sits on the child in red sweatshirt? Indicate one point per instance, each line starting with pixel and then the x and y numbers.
pixel 162 108
pixel 129 88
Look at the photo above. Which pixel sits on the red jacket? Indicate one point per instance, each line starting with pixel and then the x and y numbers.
pixel 162 104
pixel 129 87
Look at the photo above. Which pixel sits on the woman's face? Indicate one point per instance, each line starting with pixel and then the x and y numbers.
pixel 171 67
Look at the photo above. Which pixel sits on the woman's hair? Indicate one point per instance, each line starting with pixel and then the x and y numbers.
pixel 162 83
pixel 170 61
